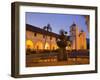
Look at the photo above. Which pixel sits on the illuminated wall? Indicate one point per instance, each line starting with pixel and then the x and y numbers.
pixel 36 41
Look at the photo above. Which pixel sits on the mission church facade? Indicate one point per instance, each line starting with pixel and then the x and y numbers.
pixel 39 39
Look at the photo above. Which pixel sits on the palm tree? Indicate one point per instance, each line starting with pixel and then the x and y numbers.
pixel 87 19
pixel 48 29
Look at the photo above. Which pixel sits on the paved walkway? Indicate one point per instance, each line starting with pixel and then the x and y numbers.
pixel 71 61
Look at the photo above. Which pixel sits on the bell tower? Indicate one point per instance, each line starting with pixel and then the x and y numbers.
pixel 74 31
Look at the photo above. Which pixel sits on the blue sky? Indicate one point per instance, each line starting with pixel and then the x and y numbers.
pixel 57 21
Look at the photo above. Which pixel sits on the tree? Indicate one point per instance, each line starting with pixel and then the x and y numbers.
pixel 62 43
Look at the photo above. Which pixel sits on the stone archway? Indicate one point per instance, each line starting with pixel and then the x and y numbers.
pixel 29 44
pixel 47 46
pixel 39 45
pixel 54 46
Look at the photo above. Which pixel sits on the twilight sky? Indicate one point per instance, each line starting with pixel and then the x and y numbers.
pixel 57 21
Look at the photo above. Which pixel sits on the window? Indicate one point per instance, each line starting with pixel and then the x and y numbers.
pixel 35 34
pixel 43 36
pixel 50 38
